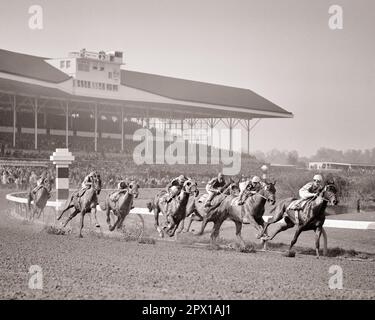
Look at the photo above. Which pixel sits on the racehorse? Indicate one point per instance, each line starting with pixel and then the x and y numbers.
pixel 175 211
pixel 196 210
pixel 122 207
pixel 251 212
pixel 40 200
pixel 312 216
pixel 83 203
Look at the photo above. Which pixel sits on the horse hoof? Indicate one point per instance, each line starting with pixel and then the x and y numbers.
pixel 290 254
pixel 97 225
pixel 80 236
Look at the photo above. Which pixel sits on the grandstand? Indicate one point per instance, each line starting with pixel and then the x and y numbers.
pixel 78 100
pixel 91 104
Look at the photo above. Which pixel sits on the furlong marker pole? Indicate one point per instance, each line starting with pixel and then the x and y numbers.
pixel 62 158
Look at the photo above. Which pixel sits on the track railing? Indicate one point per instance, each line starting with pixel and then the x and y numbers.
pixel 21 204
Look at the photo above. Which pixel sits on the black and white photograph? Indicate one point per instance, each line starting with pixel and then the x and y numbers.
pixel 197 152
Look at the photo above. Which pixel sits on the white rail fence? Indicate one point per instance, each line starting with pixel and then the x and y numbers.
pixel 21 204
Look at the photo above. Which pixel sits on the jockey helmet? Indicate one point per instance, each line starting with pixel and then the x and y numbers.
pixel 318 178
pixel 181 177
pixel 255 179
pixel 220 175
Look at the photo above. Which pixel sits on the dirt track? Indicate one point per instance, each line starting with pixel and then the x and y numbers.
pixel 98 268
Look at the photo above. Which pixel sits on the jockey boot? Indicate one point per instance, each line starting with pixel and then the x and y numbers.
pixel 208 202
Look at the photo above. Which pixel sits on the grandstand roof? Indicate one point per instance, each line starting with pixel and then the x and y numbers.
pixel 183 98
pixel 29 66
pixel 195 91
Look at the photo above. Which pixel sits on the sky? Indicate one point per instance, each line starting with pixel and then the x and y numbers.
pixel 283 50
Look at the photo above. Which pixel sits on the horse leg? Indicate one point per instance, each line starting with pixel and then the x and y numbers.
pixel 81 223
pixel 277 217
pixel 286 224
pixel 108 214
pixel 189 222
pixel 238 234
pixel 71 217
pixel 255 224
pixel 121 220
pixel 215 233
pixel 318 233
pixel 180 226
pixel 156 224
pixel 194 217
pixel 203 226
pixel 296 235
pixel 66 209
pixel 97 225
pixel 115 224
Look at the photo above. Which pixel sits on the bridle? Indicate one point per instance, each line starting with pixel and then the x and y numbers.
pixel 191 184
pixel 265 185
pixel 324 190
pixel 133 191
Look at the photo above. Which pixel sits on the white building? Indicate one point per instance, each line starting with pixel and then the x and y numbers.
pixel 93 72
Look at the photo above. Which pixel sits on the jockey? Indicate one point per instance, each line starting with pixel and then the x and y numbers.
pixel 174 186
pixel 214 187
pixel 312 189
pixel 251 188
pixel 122 188
pixel 41 182
pixel 86 183
pixel 308 191
pixel 33 179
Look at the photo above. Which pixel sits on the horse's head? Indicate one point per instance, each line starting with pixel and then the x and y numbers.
pixel 234 189
pixel 133 188
pixel 329 193
pixel 97 182
pixel 190 186
pixel 269 191
pixel 47 185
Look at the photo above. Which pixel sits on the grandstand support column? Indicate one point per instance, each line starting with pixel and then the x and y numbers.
pixel 230 123
pixel 246 125
pixel 14 119
pixel 212 122
pixel 96 128
pixel 62 158
pixel 122 129
pixel 36 123
pixel 67 124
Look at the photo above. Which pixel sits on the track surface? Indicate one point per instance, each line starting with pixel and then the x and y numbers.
pixel 98 268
